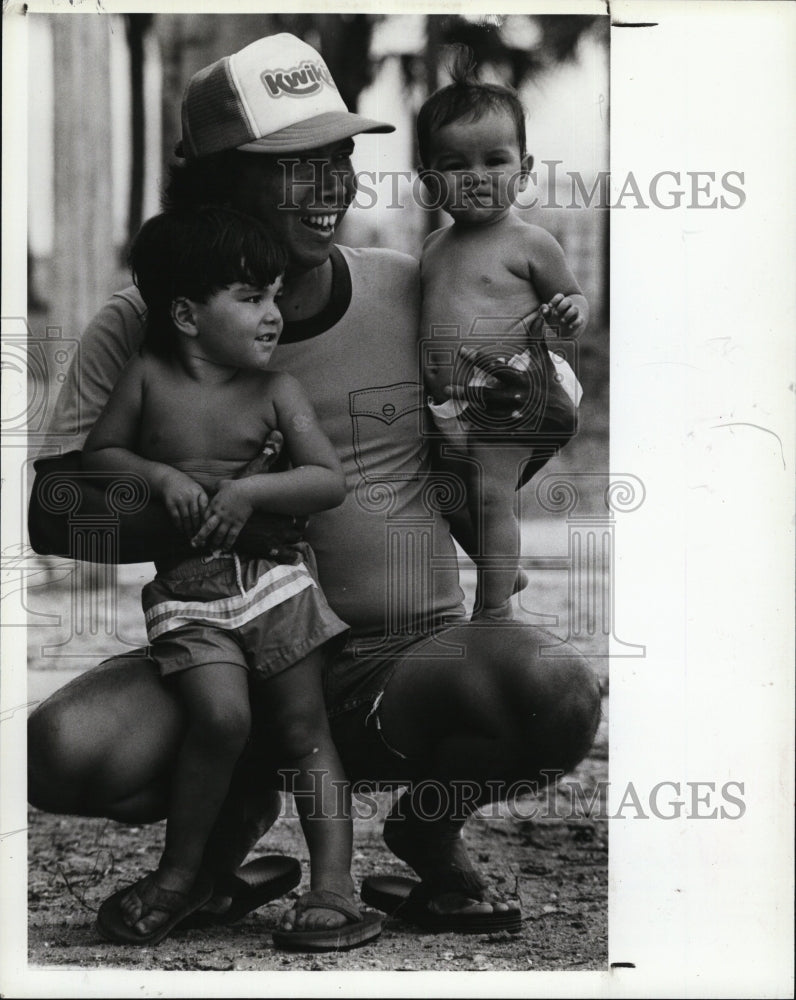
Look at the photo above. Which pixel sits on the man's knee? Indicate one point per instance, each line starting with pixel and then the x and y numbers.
pixel 578 707
pixel 56 764
pixel 553 704
pixel 101 736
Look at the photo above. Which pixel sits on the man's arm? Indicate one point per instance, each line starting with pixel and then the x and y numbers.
pixel 144 534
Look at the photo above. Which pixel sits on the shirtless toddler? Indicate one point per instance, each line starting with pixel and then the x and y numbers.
pixel 189 415
pixel 492 281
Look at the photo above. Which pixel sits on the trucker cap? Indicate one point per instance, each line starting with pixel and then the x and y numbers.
pixel 274 96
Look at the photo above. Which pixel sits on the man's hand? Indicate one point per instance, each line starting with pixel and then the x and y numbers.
pixel 530 393
pixel 184 499
pixel 270 452
pixel 229 510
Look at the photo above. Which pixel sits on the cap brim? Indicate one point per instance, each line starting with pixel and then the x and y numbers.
pixel 332 126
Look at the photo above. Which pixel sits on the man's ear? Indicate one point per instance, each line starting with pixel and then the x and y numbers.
pixel 183 316
pixel 526 166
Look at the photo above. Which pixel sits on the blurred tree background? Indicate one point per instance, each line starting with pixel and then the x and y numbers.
pixel 104 115
pixel 357 48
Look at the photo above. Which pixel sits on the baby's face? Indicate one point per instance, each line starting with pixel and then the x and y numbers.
pixel 476 167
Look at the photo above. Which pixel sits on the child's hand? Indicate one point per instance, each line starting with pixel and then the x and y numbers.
pixel 229 510
pixel 564 311
pixel 185 500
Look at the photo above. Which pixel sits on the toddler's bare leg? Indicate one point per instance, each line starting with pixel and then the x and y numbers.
pixel 215 698
pixel 313 773
pixel 492 501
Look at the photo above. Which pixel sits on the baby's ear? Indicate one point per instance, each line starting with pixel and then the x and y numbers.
pixel 183 317
pixel 526 166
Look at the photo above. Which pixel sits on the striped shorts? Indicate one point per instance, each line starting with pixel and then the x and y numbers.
pixel 225 608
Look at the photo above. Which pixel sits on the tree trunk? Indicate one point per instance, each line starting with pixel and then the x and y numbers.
pixel 136 26
pixel 188 43
pixel 84 253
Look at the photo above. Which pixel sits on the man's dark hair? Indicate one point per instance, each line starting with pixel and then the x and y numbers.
pixel 466 97
pixel 211 180
pixel 195 254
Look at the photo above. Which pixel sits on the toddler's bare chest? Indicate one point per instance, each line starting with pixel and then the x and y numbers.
pixel 194 420
pixel 458 289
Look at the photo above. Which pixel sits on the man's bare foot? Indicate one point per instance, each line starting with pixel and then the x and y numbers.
pixel 150 903
pixel 437 853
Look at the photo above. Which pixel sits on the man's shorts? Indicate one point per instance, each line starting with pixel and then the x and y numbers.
pixel 224 608
pixel 450 417
pixel 354 683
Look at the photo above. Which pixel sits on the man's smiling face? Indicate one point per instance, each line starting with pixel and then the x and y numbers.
pixel 301 197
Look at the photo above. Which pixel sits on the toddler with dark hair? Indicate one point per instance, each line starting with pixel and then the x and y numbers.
pixel 192 414
pixel 490 282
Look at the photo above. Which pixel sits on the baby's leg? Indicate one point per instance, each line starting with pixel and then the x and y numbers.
pixel 452 465
pixel 215 699
pixel 492 501
pixel 463 524
pixel 313 773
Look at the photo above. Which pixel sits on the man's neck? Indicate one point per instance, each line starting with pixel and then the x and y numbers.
pixel 306 293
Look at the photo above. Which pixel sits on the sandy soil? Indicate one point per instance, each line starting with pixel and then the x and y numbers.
pixel 554 864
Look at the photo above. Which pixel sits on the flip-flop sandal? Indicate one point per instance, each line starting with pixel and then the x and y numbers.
pixel 409 899
pixel 178 905
pixel 251 886
pixel 361 927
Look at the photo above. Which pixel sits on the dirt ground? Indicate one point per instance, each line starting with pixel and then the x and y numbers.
pixel 554 861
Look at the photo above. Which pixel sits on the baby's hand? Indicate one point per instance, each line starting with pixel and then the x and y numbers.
pixel 564 311
pixel 229 510
pixel 185 500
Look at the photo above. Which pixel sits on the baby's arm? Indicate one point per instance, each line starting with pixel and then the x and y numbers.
pixel 110 448
pixel 315 482
pixel 564 304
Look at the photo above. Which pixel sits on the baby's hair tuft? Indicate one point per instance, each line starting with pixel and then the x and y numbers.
pixel 466 98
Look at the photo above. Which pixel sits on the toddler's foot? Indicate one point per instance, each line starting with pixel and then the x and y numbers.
pixel 501 613
pixel 303 917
